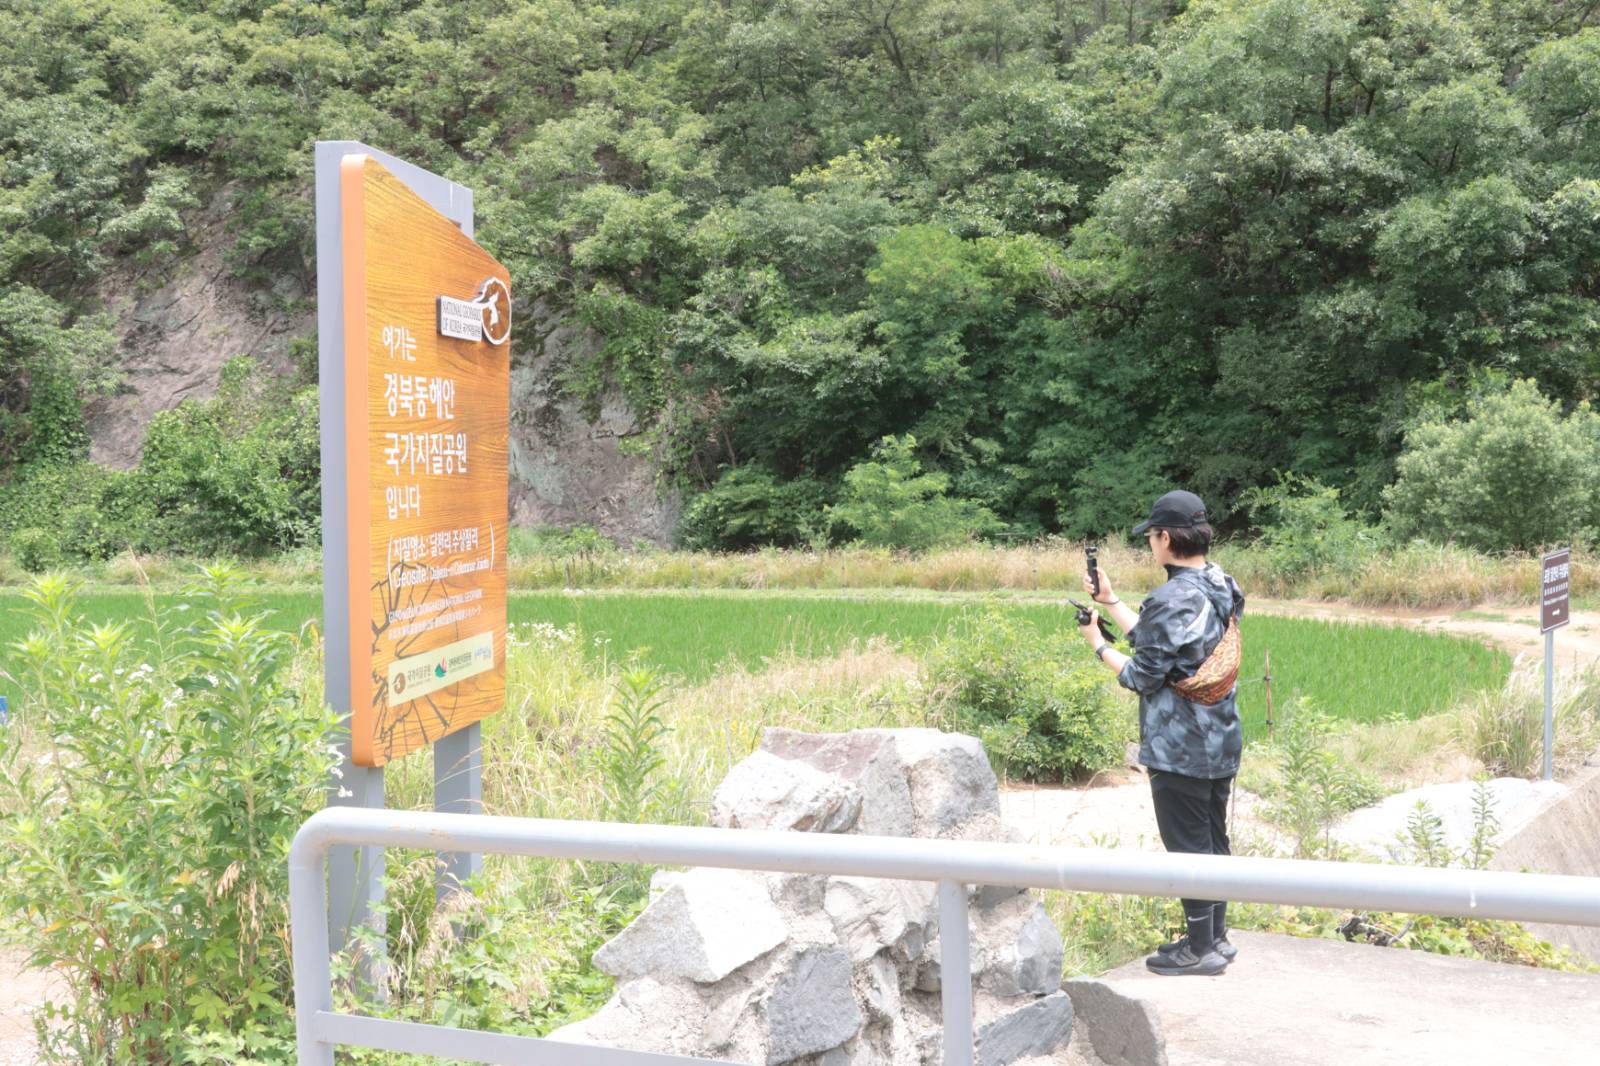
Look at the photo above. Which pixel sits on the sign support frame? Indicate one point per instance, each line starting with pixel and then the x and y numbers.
pixel 356 873
pixel 1555 611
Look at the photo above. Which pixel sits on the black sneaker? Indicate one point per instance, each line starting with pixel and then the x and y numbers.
pixel 1184 962
pixel 1221 946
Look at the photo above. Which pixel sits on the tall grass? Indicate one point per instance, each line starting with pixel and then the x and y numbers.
pixel 1417 575
pixel 1504 728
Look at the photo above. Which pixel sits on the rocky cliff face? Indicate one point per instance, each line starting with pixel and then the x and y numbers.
pixel 178 325
pixel 566 470
pixel 177 328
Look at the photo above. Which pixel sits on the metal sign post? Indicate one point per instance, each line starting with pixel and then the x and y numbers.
pixel 1555 611
pixel 356 873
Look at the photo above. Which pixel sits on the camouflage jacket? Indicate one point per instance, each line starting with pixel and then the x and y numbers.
pixel 1179 624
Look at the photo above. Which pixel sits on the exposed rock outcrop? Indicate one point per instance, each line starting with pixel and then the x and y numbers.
pixel 177 327
pixel 834 971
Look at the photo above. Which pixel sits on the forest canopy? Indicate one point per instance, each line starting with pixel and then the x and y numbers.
pixel 1077 251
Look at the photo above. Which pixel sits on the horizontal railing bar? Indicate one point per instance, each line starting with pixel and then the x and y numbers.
pixel 383 1034
pixel 1463 893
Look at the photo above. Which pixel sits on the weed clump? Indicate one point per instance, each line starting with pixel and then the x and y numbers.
pixel 1042 710
pixel 1504 729
pixel 149 791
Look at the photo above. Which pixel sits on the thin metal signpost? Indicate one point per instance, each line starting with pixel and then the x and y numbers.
pixel 356 873
pixel 1555 611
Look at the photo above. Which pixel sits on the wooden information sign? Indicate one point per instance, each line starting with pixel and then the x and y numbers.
pixel 427 317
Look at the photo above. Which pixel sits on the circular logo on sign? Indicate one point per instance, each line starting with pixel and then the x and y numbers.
pixel 495 299
pixel 399 683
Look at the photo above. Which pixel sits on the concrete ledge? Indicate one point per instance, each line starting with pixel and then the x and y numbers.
pixel 1329 1003
pixel 1563 838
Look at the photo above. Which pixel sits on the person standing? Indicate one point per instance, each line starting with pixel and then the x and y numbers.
pixel 1190 749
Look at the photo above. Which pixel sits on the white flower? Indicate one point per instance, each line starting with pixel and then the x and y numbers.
pixel 345 793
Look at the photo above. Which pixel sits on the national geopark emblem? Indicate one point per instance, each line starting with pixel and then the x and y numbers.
pixel 485 317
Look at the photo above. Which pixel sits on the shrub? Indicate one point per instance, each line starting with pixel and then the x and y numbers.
pixel 1512 475
pixel 150 790
pixel 1314 787
pixel 1304 528
pixel 60 496
pixel 751 508
pixel 239 472
pixel 555 542
pixel 1043 711
pixel 890 503
pixel 36 550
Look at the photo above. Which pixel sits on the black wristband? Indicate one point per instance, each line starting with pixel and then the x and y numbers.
pixel 1099 650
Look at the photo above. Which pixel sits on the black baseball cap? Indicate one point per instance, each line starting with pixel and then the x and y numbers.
pixel 1175 510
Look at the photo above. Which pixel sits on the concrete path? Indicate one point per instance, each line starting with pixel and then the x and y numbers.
pixel 1327 1003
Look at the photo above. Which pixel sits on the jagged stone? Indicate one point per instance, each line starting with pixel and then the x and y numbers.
pixel 873 913
pixel 950 780
pixel 1017 950
pixel 1038 1028
pixel 868 759
pixel 767 792
pixel 706 924
pixel 644 1015
pixel 880 988
pixel 812 1007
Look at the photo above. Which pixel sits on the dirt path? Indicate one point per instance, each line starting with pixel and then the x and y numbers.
pixel 1512 628
pixel 22 991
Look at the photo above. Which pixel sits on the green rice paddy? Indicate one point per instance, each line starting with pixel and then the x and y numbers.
pixel 1356 672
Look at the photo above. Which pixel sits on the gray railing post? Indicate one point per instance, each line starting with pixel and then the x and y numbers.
pixel 308 931
pixel 955 973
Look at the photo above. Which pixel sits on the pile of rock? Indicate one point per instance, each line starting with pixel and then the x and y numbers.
pixel 779 968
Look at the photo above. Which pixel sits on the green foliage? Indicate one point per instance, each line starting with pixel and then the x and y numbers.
pixel 1080 251
pixel 1043 712
pixel 1314 787
pixel 890 503
pixel 235 473
pixel 1304 528
pixel 582 540
pixel 36 550
pixel 749 507
pixel 630 750
pixel 49 364
pixel 1504 728
pixel 1512 474
pixel 151 786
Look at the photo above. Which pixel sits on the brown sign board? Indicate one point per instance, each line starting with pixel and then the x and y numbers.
pixel 1555 590
pixel 427 395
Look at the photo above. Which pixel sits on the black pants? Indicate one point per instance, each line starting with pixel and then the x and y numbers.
pixel 1192 815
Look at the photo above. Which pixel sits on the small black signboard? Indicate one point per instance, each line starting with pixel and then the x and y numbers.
pixel 1555 595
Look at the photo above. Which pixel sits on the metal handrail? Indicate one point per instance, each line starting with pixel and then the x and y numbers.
pixel 952 864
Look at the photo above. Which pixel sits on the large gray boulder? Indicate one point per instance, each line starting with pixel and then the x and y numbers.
pixel 835 970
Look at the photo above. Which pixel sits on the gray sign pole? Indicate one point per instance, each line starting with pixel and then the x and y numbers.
pixel 1549 701
pixel 356 873
pixel 1555 611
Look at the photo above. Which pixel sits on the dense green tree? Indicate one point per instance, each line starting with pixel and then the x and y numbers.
pixel 1080 249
